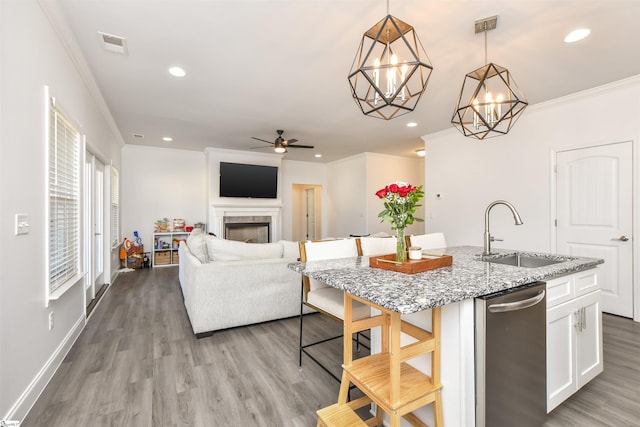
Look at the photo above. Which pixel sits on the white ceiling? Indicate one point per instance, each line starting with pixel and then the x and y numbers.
pixel 254 66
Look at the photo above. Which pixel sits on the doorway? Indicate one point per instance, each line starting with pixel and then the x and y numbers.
pixel 307 202
pixel 594 213
pixel 94 231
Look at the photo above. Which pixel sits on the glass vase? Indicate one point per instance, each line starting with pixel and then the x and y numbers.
pixel 401 248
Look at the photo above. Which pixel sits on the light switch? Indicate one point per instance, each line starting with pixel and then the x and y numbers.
pixel 22 224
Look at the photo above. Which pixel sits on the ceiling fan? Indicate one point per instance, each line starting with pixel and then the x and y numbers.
pixel 280 145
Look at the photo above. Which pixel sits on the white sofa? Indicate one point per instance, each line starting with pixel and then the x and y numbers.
pixel 227 283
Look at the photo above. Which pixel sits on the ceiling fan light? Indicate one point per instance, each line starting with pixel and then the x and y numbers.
pixel 279 148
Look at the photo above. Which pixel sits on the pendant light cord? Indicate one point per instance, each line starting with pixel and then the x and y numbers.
pixel 485 43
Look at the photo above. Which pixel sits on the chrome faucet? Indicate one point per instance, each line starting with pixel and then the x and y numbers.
pixel 487 236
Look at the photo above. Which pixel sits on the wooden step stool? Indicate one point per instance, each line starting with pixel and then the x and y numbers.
pixel 339 415
pixel 344 415
pixel 386 379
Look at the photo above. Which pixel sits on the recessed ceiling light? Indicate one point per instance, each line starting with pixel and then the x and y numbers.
pixel 167 139
pixel 177 72
pixel 412 124
pixel 318 155
pixel 421 152
pixel 576 35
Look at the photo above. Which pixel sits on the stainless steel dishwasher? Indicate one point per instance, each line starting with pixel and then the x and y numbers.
pixel 511 363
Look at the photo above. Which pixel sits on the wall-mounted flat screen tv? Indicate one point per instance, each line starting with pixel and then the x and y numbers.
pixel 242 180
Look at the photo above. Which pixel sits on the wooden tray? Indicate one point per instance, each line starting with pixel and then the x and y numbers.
pixel 387 262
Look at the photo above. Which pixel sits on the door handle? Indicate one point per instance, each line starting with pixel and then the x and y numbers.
pixel 517 305
pixel 622 238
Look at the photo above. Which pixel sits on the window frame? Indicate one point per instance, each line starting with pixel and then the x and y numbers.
pixel 64 150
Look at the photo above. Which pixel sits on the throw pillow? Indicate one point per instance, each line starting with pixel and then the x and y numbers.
pixel 197 243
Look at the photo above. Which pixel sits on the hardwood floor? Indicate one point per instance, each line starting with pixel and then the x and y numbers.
pixel 137 363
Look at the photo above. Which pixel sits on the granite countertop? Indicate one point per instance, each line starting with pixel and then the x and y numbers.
pixel 468 277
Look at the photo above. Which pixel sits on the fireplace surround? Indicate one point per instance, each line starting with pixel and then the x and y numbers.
pixel 234 222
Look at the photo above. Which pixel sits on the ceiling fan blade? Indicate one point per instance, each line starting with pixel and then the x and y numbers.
pixel 290 141
pixel 300 146
pixel 263 140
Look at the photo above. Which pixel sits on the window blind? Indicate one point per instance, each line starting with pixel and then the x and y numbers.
pixel 115 207
pixel 64 200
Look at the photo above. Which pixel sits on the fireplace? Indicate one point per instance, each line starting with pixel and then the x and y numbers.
pixel 250 229
pixel 252 216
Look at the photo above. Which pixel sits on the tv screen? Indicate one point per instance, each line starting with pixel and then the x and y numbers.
pixel 255 181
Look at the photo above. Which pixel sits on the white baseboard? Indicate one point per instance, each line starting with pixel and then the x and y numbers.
pixel 33 391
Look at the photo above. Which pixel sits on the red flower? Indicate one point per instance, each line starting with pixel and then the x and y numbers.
pixel 404 190
pixel 381 193
pixel 393 188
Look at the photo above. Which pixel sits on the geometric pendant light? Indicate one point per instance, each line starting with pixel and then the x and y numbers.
pixel 490 102
pixel 390 71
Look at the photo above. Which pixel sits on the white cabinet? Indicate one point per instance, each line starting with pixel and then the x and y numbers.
pixel 165 248
pixel 574 334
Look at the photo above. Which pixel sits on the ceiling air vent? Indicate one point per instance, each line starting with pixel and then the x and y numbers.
pixel 115 44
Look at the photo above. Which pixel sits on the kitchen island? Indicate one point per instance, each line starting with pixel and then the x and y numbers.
pixel 453 289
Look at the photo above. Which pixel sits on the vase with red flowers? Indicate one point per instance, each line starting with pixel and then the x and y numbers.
pixel 401 201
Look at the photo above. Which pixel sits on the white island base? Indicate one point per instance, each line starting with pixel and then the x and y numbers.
pixel 574 346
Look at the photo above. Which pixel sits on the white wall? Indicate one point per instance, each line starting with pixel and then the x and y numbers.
pixel 32 57
pixel 516 167
pixel 382 170
pixel 346 197
pixel 161 183
pixel 352 183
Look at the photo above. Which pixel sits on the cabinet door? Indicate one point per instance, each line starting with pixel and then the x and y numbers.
pixel 561 353
pixel 589 363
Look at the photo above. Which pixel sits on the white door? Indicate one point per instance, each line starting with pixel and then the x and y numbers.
pixel 594 216
pixel 310 194
pixel 93 225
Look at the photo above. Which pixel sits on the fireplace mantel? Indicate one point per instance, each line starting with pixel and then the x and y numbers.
pixel 217 213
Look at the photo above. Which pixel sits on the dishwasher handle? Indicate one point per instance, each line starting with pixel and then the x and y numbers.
pixel 517 305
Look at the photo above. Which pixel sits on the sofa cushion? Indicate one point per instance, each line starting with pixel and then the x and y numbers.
pixel 231 250
pixel 197 242
pixel 290 250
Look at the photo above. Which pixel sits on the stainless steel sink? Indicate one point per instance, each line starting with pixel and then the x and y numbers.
pixel 523 260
